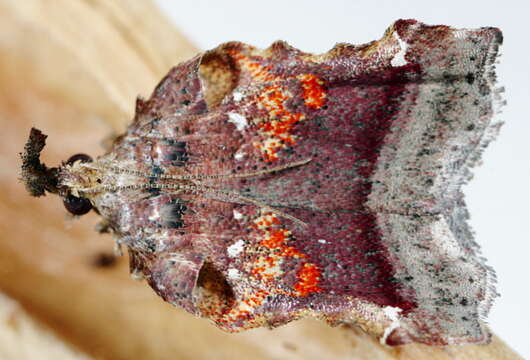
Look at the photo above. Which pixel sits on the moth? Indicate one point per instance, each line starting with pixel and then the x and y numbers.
pixel 255 187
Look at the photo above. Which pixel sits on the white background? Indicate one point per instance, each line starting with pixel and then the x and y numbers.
pixel 499 196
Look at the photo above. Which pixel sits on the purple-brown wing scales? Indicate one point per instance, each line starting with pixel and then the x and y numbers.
pixel 391 129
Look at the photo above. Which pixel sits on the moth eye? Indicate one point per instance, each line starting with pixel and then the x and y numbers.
pixel 77 205
pixel 82 157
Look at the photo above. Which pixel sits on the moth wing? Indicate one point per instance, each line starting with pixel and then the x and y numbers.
pixel 391 129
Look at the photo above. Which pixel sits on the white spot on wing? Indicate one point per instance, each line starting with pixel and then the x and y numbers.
pixel 237 96
pixel 239 156
pixel 322 241
pixel 399 58
pixel 238 215
pixel 238 120
pixel 233 274
pixel 234 249
pixel 155 215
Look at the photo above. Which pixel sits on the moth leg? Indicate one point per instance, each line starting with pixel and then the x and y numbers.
pixel 107 142
pixel 118 245
pixel 103 226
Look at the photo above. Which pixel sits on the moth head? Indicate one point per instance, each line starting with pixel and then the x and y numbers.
pixel 67 181
pixel 74 177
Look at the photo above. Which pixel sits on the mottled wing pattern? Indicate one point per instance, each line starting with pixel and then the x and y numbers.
pixel 391 127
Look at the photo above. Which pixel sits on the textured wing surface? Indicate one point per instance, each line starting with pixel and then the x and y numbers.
pixel 391 127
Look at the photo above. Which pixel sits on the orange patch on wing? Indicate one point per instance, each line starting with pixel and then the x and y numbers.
pixel 314 93
pixel 307 280
pixel 241 314
pixel 267 268
pixel 280 122
pixel 278 125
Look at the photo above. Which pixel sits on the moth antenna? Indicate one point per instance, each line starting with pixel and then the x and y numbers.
pixel 145 186
pixel 202 177
pixel 118 170
pixel 260 172
pixel 131 187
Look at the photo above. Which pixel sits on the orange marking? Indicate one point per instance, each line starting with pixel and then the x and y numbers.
pixel 275 239
pixel 308 278
pixel 278 126
pixel 314 93
pixel 292 252
pixel 267 268
pixel 241 315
